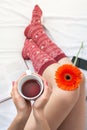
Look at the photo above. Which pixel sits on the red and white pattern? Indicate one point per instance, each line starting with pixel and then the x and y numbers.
pixel 39 59
pixel 36 32
pixel 38 35
pixel 36 14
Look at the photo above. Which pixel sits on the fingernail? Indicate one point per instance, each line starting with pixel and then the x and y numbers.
pixel 46 83
pixel 13 83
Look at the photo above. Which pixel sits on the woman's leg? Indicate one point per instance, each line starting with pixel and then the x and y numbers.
pixel 76 118
pixel 65 108
pixel 36 32
pixel 40 60
pixel 61 102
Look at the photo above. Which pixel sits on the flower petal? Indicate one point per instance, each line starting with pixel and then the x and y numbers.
pixel 68 77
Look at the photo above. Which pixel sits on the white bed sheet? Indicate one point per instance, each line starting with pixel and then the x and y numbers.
pixel 65 20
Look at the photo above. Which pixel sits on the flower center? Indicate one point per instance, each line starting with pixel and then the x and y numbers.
pixel 68 77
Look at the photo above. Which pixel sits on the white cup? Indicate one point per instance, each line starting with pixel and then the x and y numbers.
pixel 27 78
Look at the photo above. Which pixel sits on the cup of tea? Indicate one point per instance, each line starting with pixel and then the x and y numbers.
pixel 30 87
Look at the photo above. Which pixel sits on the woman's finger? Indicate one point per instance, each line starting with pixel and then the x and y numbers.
pixel 43 99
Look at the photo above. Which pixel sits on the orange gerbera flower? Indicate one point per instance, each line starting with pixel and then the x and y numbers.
pixel 68 77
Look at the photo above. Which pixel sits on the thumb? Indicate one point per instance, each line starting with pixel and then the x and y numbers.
pixel 44 98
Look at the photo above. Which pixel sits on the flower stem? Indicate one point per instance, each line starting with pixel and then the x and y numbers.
pixel 78 53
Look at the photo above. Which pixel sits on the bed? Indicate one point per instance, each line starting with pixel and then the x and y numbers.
pixel 65 23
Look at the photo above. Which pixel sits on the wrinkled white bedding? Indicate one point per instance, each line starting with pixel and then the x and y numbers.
pixel 65 20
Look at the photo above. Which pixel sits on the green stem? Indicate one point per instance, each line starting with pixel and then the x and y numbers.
pixel 78 53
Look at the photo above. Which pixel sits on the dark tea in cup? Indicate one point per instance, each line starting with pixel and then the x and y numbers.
pixel 30 87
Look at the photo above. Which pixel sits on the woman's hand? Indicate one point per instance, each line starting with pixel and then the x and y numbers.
pixel 40 122
pixel 23 107
pixel 39 106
